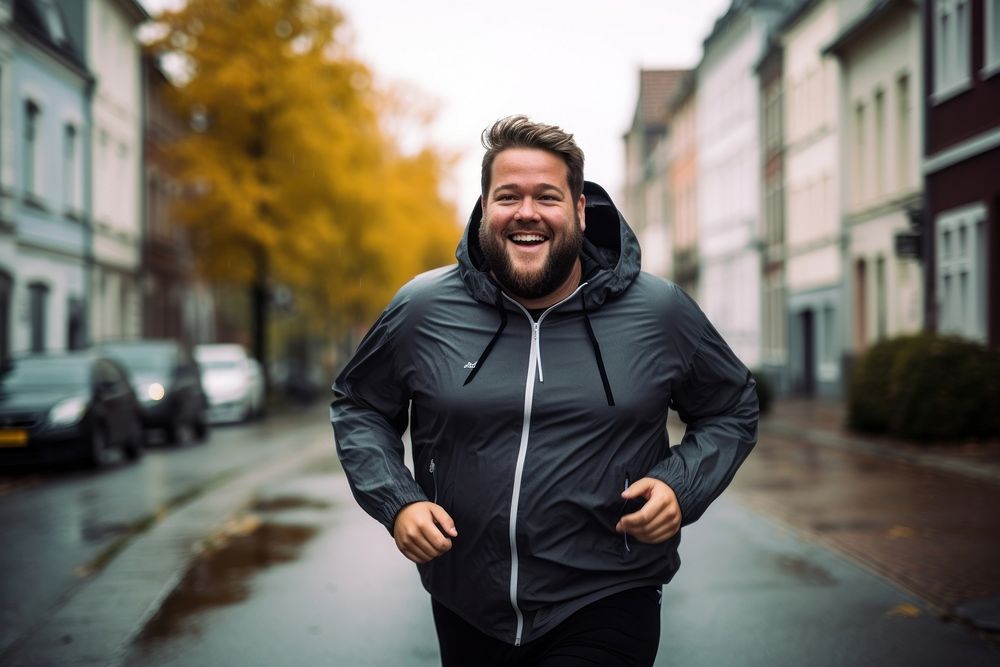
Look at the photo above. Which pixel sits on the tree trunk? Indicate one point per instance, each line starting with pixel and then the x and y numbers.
pixel 259 299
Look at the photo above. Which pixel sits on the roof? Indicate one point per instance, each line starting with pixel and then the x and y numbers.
pixel 44 22
pixel 656 88
pixel 863 23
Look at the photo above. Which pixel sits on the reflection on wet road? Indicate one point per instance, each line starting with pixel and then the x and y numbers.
pixel 303 577
pixel 930 531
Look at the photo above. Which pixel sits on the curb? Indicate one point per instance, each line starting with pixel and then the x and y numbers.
pixel 98 624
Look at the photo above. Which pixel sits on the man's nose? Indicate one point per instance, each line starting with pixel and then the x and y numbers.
pixel 527 210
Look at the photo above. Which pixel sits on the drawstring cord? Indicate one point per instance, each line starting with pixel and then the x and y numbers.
pixel 597 351
pixel 493 341
pixel 590 334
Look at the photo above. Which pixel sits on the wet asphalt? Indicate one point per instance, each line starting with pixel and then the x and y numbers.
pixel 283 568
pixel 303 577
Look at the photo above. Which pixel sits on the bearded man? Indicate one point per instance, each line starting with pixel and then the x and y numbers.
pixel 545 507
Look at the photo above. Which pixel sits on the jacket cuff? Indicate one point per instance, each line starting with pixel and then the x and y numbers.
pixel 390 509
pixel 671 472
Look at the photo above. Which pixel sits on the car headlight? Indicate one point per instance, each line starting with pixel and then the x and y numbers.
pixel 68 412
pixel 155 392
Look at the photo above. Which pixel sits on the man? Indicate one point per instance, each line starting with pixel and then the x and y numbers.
pixel 535 377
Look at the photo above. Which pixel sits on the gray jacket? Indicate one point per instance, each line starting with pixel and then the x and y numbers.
pixel 527 432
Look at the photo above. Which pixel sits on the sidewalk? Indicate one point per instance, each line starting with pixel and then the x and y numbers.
pixel 924 517
pixel 823 422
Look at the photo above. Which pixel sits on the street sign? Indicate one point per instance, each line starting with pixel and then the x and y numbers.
pixel 908 244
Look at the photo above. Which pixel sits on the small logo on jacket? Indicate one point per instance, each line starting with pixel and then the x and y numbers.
pixel 470 364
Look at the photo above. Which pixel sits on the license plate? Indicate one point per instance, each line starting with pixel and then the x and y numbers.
pixel 13 438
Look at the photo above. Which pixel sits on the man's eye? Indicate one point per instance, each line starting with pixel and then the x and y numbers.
pixel 505 197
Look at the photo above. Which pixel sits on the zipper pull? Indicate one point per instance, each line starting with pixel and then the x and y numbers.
pixel 430 468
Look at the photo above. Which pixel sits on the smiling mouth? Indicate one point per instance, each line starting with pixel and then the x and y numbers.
pixel 527 238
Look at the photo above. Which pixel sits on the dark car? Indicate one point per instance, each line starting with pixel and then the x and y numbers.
pixel 167 383
pixel 63 407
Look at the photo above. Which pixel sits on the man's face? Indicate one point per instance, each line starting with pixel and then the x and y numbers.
pixel 532 230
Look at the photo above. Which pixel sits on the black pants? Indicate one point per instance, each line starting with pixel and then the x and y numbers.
pixel 622 629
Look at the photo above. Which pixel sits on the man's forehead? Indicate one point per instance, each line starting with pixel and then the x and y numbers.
pixel 514 167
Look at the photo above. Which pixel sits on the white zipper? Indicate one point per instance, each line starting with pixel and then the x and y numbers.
pixel 534 362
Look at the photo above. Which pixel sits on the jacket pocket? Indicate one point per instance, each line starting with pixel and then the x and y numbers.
pixel 628 507
pixel 427 473
pixel 432 469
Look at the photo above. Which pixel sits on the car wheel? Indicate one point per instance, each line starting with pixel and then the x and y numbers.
pixel 100 453
pixel 136 445
pixel 201 429
pixel 175 431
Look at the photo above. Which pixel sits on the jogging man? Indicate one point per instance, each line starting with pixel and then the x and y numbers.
pixel 535 376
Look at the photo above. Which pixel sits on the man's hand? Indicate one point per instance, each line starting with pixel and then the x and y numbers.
pixel 659 519
pixel 422 531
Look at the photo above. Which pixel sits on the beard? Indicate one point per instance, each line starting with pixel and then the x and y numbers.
pixel 534 283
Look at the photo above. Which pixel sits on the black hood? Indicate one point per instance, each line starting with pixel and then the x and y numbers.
pixel 610 255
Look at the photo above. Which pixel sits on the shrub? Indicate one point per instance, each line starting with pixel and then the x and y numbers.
pixel 926 388
pixel 868 407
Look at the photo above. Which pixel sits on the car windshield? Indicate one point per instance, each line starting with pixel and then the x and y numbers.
pixel 220 365
pixel 144 358
pixel 55 373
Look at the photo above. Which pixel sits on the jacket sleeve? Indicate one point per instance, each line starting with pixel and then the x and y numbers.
pixel 369 414
pixel 717 400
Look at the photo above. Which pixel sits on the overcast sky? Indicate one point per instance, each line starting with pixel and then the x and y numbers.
pixel 573 63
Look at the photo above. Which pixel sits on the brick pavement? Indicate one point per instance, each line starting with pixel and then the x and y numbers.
pixel 924 517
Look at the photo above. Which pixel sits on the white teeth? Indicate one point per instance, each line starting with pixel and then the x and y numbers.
pixel 527 238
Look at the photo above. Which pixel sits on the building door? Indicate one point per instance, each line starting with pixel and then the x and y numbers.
pixel 808 328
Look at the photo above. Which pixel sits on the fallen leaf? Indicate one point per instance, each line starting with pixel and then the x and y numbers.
pixel 898 532
pixel 903 610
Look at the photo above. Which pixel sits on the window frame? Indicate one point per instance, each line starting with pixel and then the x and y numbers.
pixel 991 38
pixel 964 319
pixel 952 72
pixel 31 156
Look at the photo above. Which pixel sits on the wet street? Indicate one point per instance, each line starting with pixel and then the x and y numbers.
pixel 60 526
pixel 815 556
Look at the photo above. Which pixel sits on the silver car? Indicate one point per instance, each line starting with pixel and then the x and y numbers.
pixel 232 380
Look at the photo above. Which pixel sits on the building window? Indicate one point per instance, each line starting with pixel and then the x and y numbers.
pixel 32 119
pixel 991 44
pixel 903 131
pixel 879 111
pixel 962 272
pixel 75 332
pixel 38 301
pixel 951 48
pixel 6 287
pixel 70 168
pixel 859 153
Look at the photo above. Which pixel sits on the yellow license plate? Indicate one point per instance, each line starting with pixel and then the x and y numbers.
pixel 13 438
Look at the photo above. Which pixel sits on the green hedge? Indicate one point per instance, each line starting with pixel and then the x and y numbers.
pixel 926 388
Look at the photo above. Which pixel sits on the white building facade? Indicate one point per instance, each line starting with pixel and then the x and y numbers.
pixel 814 266
pixel 113 53
pixel 43 126
pixel 729 209
pixel 880 56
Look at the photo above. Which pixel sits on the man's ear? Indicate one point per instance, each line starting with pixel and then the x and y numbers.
pixel 581 211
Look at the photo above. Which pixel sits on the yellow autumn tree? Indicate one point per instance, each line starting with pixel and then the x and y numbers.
pixel 291 180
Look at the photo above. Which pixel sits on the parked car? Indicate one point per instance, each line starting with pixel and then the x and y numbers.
pixel 167 384
pixel 71 406
pixel 233 382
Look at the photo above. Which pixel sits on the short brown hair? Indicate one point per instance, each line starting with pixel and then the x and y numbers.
pixel 520 132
